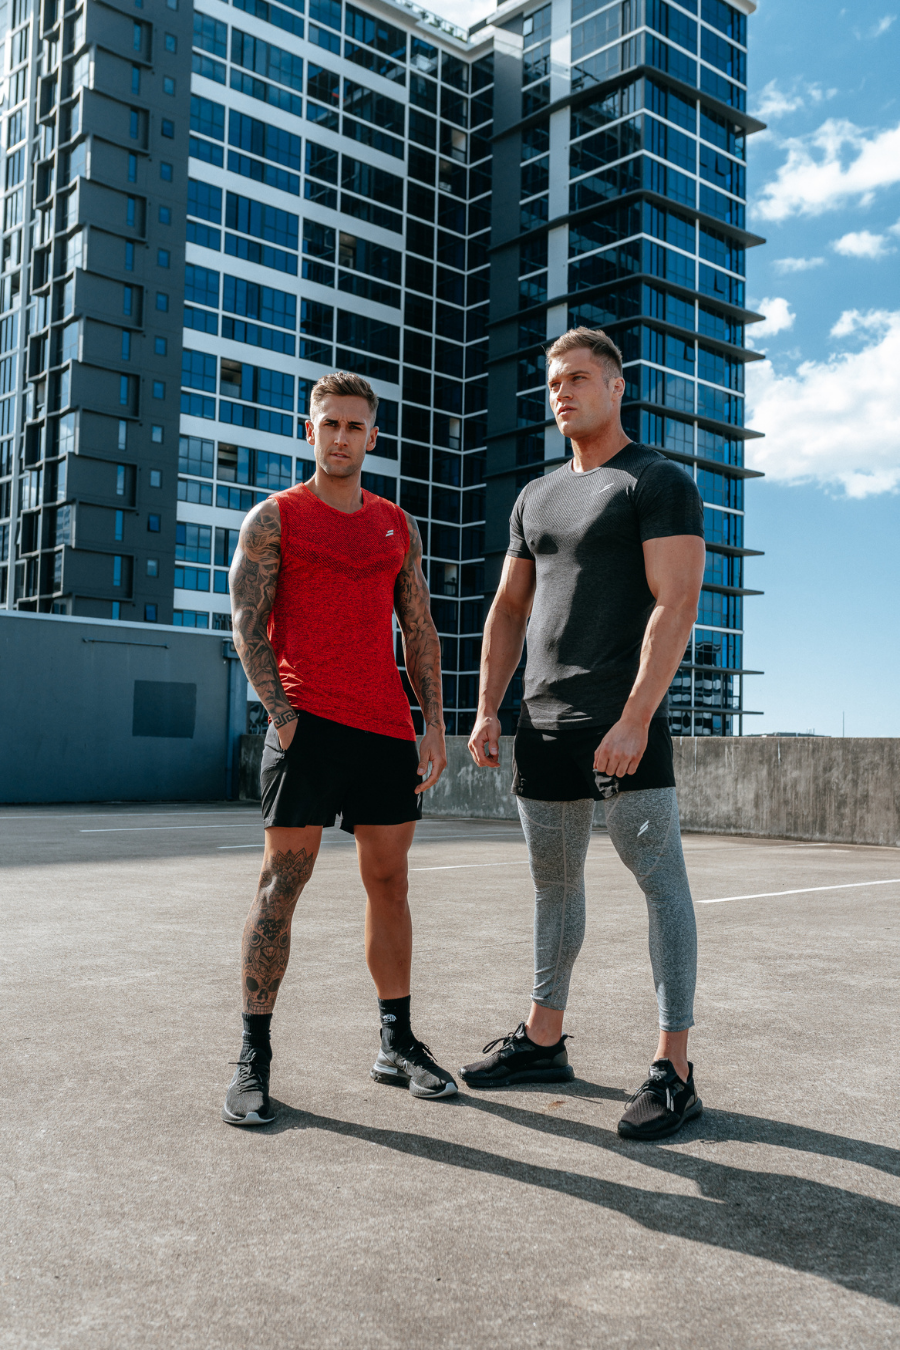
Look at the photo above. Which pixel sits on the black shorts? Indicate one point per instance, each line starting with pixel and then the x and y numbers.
pixel 331 770
pixel 558 766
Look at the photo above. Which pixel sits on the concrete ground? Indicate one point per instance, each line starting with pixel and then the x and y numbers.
pixel 133 1217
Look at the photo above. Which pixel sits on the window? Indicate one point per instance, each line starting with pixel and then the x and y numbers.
pixel 120 526
pixel 132 168
pixel 135 79
pixel 123 433
pixel 120 481
pixel 126 345
pixel 163 257
pixel 196 456
pixel 154 523
pixel 168 85
pixel 150 612
pixel 127 299
pixel 156 435
pixel 201 286
pixel 210 35
pixel 156 478
pixel 152 567
pixel 129 254
pixel 168 128
pixel 159 389
pixel 123 390
pixel 207 117
pixel 193 543
pixel 171 42
pixel 198 370
pixel 205 201
pixel 160 346
pixel 162 301
pixel 165 172
pixel 116 608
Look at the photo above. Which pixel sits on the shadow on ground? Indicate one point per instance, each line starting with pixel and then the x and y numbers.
pixel 805 1225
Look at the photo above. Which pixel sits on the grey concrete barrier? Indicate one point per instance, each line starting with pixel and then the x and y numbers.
pixel 817 788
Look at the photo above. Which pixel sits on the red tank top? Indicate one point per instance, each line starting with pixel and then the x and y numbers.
pixel 330 625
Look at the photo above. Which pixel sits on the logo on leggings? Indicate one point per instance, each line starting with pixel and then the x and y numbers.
pixel 388 1017
pixel 645 826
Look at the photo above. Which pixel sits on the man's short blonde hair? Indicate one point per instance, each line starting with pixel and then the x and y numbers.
pixel 344 384
pixel 601 348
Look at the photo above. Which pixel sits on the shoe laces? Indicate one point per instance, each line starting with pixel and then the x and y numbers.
pixel 504 1041
pixel 657 1086
pixel 416 1051
pixel 251 1077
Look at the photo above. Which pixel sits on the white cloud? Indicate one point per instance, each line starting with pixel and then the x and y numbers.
pixel 882 25
pixel 785 265
pixel 779 318
pixel 822 171
pixel 834 422
pixel 862 244
pixel 775 103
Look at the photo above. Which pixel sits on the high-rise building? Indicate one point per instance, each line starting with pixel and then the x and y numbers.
pixel 207 206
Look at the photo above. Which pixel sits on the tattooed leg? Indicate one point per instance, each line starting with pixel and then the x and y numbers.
pixel 287 866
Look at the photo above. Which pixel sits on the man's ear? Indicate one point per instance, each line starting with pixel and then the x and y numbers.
pixel 310 432
pixel 373 437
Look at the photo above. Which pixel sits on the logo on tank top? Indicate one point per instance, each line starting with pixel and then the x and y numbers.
pixel 389 532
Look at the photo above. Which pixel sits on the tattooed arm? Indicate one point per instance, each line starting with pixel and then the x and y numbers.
pixel 252 580
pixel 422 649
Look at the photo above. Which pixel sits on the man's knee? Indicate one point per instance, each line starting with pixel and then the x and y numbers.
pixel 283 876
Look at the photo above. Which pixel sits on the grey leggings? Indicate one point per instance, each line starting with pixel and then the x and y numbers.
pixel 644 829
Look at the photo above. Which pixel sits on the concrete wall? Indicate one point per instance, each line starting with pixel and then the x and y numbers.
pixel 96 710
pixel 810 788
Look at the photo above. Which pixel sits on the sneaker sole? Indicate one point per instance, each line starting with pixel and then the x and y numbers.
pixel 251 1118
pixel 394 1078
pixel 525 1076
pixel 632 1132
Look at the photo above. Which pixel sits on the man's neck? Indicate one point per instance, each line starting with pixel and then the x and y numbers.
pixel 591 451
pixel 344 494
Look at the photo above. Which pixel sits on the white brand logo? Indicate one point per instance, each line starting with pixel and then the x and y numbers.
pixel 389 1017
pixel 645 826
pixel 389 532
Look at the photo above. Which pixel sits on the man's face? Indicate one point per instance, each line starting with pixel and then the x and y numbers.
pixel 583 398
pixel 342 432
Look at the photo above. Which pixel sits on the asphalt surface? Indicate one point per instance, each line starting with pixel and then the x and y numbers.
pixel 133 1217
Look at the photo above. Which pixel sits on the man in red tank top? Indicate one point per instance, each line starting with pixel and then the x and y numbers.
pixel 318 574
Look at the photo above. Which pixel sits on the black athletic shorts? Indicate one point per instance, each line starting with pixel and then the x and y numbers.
pixel 331 770
pixel 558 766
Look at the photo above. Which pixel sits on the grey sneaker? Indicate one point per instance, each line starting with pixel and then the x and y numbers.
pixel 412 1065
pixel 247 1101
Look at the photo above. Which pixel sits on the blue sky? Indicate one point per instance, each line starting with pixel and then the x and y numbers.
pixel 824 185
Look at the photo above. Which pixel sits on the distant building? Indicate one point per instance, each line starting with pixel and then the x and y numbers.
pixel 206 207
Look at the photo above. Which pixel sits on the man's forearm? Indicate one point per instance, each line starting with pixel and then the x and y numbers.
pixel 662 651
pixel 423 666
pixel 260 666
pixel 501 650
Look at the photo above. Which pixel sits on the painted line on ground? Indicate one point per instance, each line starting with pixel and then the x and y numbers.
pixel 117 815
pixel 456 867
pixel 802 890
pixel 143 829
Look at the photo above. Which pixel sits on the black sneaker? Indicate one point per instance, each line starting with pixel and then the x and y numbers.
pixel 519 1060
pixel 247 1101
pixel 411 1064
pixel 661 1105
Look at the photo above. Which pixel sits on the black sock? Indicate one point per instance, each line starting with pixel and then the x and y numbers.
pixel 394 1014
pixel 256 1030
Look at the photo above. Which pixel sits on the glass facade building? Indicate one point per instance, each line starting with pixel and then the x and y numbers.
pixel 205 207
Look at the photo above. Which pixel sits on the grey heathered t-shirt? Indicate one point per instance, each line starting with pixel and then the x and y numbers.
pixel 584 532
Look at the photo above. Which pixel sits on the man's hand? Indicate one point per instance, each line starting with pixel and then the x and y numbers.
pixel 621 750
pixel 433 751
pixel 485 738
pixel 286 733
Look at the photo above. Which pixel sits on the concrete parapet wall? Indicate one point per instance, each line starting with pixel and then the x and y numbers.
pixel 817 788
pixel 822 788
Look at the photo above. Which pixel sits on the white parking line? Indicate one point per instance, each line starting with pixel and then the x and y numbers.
pixel 803 890
pixel 142 829
pixel 456 867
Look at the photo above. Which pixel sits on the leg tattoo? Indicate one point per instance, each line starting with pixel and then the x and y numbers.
pixel 267 933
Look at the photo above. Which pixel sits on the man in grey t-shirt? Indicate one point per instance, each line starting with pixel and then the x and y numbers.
pixel 606 560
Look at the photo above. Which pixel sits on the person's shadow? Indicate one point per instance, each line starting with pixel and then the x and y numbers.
pixel 812 1226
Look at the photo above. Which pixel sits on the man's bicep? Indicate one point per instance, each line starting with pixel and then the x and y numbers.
pixel 517 583
pixel 674 565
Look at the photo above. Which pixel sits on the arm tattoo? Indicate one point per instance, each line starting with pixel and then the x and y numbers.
pixel 253 580
pixel 267 933
pixel 421 644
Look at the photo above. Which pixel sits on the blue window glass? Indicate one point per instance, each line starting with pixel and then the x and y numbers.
pixel 262 221
pixel 263 139
pixel 265 59
pixel 198 370
pixel 208 118
pixel 201 286
pixel 210 35
pixel 204 201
